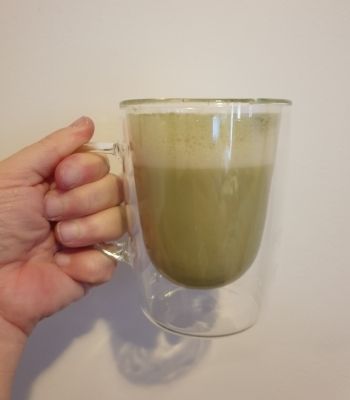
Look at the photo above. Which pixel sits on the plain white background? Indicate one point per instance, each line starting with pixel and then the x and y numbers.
pixel 62 59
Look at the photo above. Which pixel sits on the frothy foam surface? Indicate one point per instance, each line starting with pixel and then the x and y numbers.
pixel 174 140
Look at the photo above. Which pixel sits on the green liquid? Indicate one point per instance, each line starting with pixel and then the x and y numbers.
pixel 202 184
pixel 202 228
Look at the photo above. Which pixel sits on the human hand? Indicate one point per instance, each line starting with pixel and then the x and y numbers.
pixel 54 204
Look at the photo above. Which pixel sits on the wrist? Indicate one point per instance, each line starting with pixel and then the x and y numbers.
pixel 12 342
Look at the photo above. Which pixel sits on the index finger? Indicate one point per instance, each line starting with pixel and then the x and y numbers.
pixel 79 169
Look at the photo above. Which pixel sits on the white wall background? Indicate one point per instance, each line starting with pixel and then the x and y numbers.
pixel 61 59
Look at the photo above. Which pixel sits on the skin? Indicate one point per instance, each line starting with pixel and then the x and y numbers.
pixel 54 204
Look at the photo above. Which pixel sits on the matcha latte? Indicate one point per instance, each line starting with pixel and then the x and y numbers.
pixel 202 184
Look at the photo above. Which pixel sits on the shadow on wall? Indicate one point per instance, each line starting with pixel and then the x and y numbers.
pixel 144 354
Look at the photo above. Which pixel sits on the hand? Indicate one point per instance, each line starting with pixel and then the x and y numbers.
pixel 54 204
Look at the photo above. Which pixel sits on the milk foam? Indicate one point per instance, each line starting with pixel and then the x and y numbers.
pixel 203 141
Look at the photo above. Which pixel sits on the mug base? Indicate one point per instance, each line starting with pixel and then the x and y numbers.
pixel 207 313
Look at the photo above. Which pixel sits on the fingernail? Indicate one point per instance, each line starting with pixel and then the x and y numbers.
pixel 53 207
pixel 68 231
pixel 82 121
pixel 62 260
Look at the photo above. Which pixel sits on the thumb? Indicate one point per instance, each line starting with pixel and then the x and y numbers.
pixel 38 161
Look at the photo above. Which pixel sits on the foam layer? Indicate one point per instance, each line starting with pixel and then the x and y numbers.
pixel 202 140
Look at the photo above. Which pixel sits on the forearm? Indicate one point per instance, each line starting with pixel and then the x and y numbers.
pixel 12 342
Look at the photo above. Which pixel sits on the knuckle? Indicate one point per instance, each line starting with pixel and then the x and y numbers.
pixel 98 272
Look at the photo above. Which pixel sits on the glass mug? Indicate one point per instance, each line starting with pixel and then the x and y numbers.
pixel 203 181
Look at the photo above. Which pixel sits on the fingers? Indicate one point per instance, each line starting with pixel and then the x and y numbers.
pixel 79 169
pixel 84 200
pixel 103 226
pixel 39 160
pixel 86 265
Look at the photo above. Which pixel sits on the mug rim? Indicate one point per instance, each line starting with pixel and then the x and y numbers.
pixel 214 101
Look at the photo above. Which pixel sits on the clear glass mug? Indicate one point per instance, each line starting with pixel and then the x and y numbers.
pixel 203 180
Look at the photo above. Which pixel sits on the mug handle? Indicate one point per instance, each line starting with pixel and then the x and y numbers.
pixel 118 250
